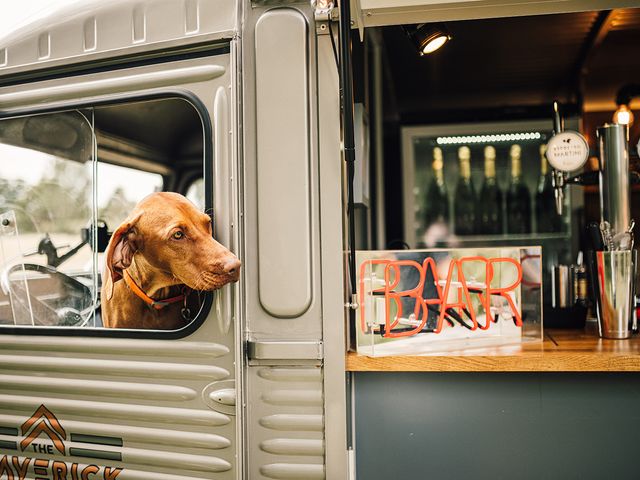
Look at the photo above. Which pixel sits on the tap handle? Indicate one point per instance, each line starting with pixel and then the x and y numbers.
pixel 558 122
pixel 558 180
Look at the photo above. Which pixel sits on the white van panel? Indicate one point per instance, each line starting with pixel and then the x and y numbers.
pixel 286 421
pixel 283 143
pixel 125 408
pixel 374 13
pixel 94 29
pixel 147 416
pixel 124 83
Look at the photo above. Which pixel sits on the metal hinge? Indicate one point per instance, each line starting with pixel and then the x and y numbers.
pixel 353 305
pixel 322 9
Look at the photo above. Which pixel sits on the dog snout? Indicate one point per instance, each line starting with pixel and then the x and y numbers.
pixel 232 268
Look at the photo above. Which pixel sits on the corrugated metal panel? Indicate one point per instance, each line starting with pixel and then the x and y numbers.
pixel 114 367
pixel 104 389
pixel 131 408
pixel 95 29
pixel 123 83
pixel 124 346
pixel 154 436
pixel 135 419
pixel 286 422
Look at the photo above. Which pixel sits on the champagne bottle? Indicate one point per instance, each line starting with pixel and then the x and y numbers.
pixel 437 201
pixel 518 200
pixel 490 201
pixel 465 200
pixel 547 217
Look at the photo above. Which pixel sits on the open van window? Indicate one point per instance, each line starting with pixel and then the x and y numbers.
pixel 68 179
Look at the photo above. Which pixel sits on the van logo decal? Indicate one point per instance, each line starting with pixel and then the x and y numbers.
pixel 43 433
pixel 43 422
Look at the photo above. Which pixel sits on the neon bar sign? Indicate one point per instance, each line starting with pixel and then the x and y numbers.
pixel 455 285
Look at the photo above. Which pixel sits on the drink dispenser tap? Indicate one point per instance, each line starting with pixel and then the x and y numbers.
pixel 615 208
pixel 567 151
pixel 558 180
pixel 614 265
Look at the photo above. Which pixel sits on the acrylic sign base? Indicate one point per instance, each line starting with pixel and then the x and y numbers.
pixel 414 302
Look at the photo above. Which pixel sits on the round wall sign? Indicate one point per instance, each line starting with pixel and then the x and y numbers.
pixel 567 151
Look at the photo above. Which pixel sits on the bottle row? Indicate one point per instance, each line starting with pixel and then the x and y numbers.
pixel 490 211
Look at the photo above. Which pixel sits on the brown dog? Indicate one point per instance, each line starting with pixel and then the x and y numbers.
pixel 163 246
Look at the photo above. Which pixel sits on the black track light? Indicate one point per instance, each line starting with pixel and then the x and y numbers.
pixel 427 37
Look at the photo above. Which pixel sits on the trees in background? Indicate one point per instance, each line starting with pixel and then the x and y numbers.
pixel 61 201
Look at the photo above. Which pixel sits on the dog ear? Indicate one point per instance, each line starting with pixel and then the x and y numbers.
pixel 123 244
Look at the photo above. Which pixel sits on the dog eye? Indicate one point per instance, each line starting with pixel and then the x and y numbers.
pixel 179 235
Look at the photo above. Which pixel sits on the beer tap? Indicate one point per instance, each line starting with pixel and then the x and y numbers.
pixel 567 151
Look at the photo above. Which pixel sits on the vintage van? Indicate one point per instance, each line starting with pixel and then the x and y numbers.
pixel 103 103
pixel 237 105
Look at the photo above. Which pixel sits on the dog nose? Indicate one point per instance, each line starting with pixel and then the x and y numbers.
pixel 232 267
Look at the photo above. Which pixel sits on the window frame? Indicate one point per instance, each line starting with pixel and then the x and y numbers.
pixel 207 175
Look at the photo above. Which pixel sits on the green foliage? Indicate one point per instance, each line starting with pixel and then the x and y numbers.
pixel 116 209
pixel 61 202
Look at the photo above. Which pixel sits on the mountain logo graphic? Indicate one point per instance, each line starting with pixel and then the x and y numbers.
pixel 43 422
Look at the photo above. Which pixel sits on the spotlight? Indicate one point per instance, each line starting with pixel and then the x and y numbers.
pixel 428 37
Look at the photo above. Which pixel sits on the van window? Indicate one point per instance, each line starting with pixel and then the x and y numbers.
pixel 67 181
pixel 120 189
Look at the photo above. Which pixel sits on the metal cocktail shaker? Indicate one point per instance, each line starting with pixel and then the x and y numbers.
pixel 615 293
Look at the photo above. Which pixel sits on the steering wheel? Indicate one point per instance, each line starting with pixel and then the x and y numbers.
pixel 74 306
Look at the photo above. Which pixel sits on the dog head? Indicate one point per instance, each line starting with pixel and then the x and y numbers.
pixel 175 239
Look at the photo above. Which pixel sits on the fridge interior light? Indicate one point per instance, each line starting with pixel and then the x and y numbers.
pixel 499 137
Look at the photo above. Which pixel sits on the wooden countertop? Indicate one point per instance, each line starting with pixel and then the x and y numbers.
pixel 561 351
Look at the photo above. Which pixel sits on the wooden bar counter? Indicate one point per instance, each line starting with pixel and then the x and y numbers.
pixel 560 351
